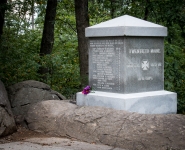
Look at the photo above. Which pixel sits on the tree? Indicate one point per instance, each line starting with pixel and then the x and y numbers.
pixel 82 21
pixel 48 34
pixel 2 14
pixel 146 10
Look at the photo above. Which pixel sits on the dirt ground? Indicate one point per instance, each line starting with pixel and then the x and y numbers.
pixel 21 134
pixel 26 139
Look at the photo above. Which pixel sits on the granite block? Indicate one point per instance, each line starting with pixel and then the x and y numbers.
pixel 157 102
pixel 126 64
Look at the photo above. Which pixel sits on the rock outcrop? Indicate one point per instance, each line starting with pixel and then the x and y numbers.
pixel 7 122
pixel 24 94
pixel 112 127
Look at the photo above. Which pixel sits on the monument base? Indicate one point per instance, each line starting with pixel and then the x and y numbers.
pixel 155 102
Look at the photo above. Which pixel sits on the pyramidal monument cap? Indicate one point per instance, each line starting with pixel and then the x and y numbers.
pixel 126 26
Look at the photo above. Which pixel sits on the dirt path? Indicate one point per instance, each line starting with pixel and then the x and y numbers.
pixel 21 134
pixel 30 140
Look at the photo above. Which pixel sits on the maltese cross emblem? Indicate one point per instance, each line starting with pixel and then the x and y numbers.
pixel 145 65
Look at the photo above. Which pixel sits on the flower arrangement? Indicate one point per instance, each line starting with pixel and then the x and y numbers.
pixel 86 90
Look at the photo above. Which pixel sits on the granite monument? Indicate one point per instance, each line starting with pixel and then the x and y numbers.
pixel 126 67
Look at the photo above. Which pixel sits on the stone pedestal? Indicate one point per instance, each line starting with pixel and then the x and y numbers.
pixel 157 102
pixel 126 67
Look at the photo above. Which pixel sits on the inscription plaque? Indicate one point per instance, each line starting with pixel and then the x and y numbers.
pixel 126 64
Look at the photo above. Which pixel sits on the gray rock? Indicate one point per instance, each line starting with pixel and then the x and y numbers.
pixel 116 128
pixel 24 94
pixel 48 116
pixel 7 122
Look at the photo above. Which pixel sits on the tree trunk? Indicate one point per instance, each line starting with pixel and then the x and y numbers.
pixel 112 10
pixel 48 35
pixel 146 10
pixel 2 14
pixel 82 21
pixel 32 16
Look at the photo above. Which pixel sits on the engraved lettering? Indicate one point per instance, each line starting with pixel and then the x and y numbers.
pixel 105 53
pixel 139 51
pixel 155 51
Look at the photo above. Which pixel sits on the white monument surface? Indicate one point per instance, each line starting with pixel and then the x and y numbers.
pixel 126 67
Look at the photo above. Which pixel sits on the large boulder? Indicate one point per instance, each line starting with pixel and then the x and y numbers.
pixel 116 128
pixel 7 122
pixel 24 94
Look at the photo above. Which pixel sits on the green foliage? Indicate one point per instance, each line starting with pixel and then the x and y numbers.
pixel 63 66
pixel 98 12
pixel 18 59
pixel 66 72
pixel 175 73
pixel 19 50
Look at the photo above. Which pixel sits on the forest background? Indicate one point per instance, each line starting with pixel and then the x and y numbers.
pixel 63 63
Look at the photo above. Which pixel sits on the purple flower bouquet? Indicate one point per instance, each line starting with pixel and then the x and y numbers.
pixel 86 90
